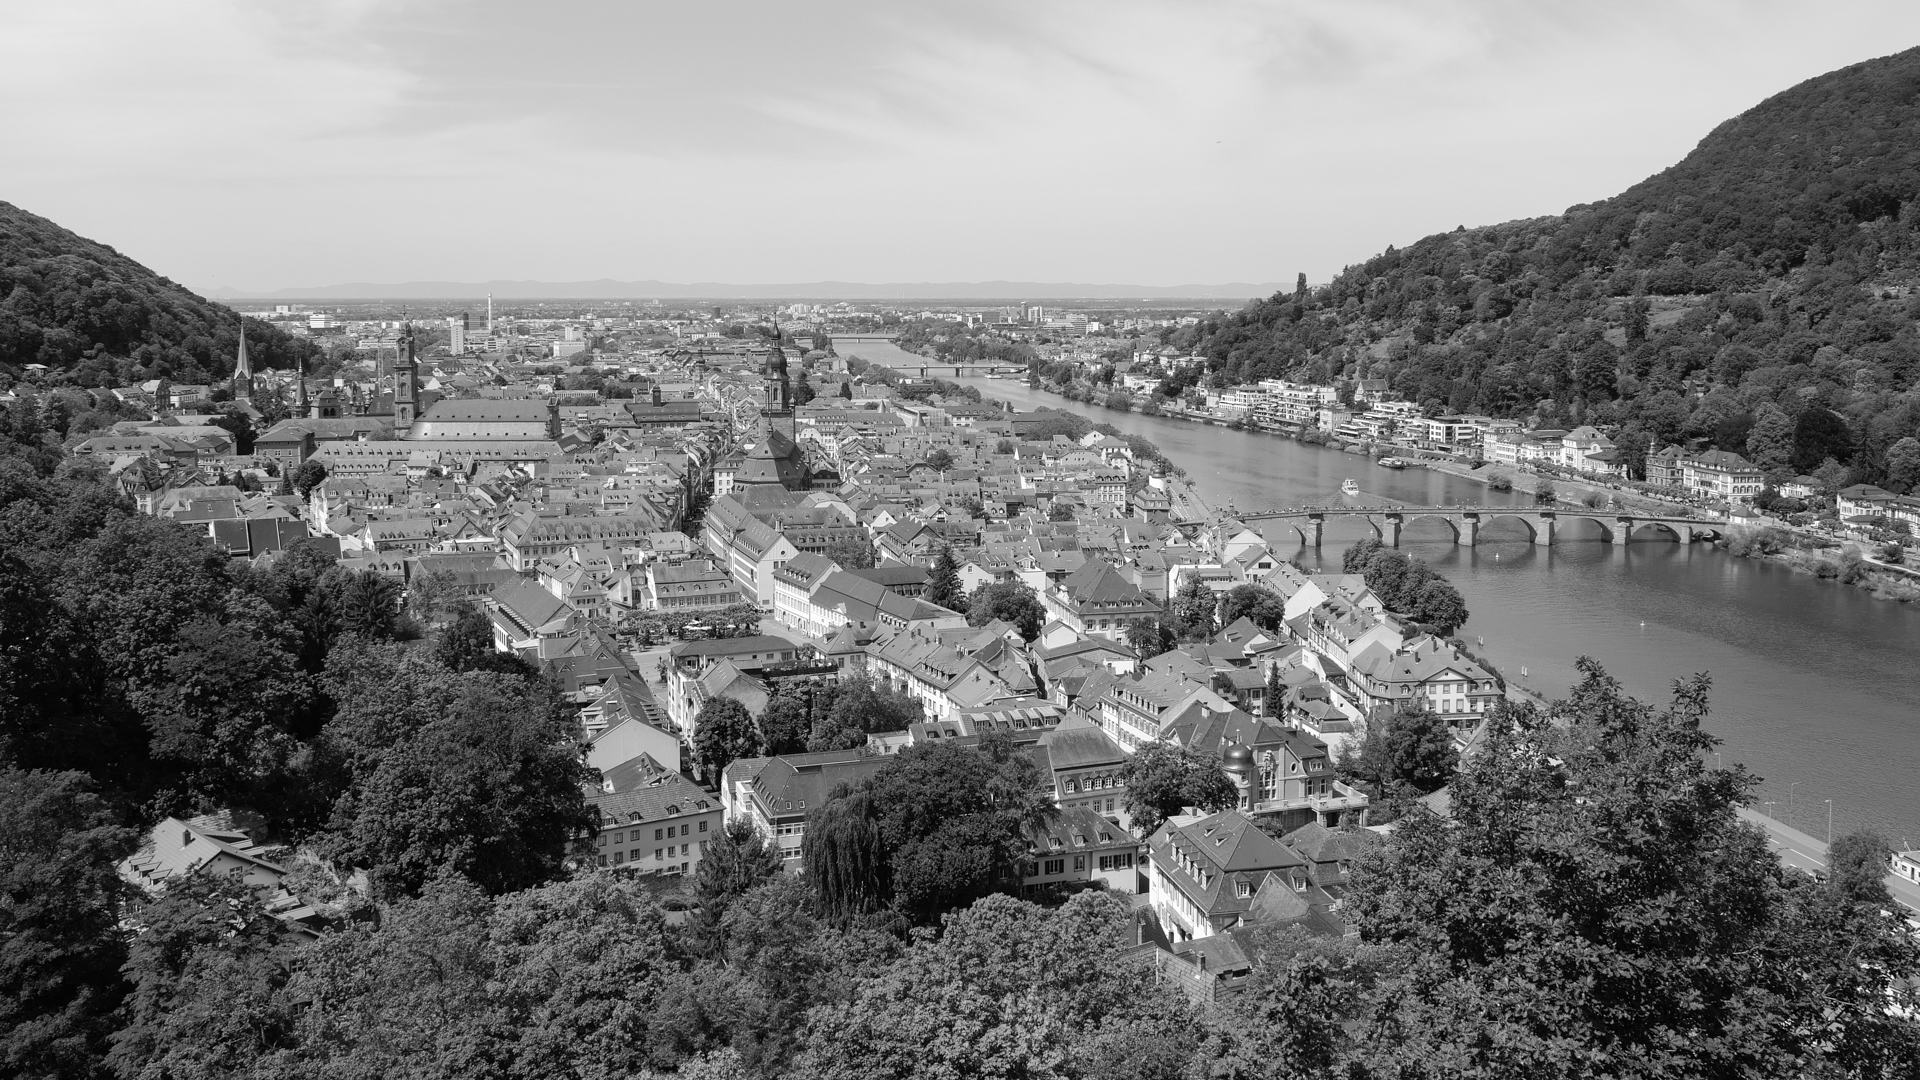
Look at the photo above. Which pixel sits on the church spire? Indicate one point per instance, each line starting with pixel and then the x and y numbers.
pixel 243 368
pixel 300 385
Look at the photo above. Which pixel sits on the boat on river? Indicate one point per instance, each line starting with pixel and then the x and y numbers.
pixel 1349 486
pixel 1391 462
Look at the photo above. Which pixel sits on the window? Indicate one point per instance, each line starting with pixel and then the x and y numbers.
pixel 656 854
pixel 656 834
pixel 619 857
pixel 1079 862
pixel 683 849
pixel 703 826
pixel 684 829
pixel 1246 889
pixel 603 839
pixel 1056 866
pixel 603 860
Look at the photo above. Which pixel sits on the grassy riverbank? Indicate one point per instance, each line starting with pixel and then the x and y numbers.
pixel 1831 561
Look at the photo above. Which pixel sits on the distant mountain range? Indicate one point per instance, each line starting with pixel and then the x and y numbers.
pixel 608 289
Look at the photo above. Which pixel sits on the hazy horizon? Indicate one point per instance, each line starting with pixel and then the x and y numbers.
pixel 263 148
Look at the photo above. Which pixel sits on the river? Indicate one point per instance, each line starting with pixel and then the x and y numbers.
pixel 1816 686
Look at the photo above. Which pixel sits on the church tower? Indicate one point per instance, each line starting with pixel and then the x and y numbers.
pixel 779 389
pixel 406 386
pixel 300 386
pixel 243 369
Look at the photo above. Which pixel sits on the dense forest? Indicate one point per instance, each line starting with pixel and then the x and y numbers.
pixel 1759 297
pixel 97 318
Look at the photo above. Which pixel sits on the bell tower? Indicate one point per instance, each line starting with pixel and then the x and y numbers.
pixel 406 386
pixel 779 388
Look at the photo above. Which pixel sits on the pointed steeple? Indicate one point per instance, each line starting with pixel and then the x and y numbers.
pixel 243 368
pixel 300 386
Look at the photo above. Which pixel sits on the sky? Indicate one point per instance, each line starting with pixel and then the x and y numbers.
pixel 269 144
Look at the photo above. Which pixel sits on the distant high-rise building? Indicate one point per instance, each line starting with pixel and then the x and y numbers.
pixel 457 334
pixel 489 314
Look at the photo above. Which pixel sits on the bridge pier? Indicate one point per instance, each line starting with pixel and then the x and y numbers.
pixel 1543 530
pixel 1467 530
pixel 1390 532
pixel 1684 532
pixel 1622 530
pixel 1318 524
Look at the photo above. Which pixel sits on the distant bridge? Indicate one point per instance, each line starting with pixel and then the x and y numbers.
pixel 1465 522
pixel 928 367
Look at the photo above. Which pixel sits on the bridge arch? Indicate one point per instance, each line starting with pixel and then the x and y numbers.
pixel 1449 520
pixel 1606 525
pixel 1656 530
pixel 1533 530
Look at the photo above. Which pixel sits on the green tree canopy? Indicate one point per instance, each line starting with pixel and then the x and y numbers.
pixel 852 553
pixel 476 772
pixel 1162 778
pixel 943 584
pixel 1193 609
pixel 1264 606
pixel 1595 901
pixel 1012 601
pixel 1409 749
pixel 60 950
pixel 723 732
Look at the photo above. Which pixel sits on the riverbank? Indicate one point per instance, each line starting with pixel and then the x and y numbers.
pixel 1829 560
pixel 1808 854
pixel 1813 686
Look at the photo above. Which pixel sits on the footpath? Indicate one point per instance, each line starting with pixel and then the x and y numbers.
pixel 1802 852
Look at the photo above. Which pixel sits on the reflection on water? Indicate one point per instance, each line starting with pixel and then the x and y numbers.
pixel 1814 683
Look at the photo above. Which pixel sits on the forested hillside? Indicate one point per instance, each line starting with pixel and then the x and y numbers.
pixel 101 319
pixel 1758 296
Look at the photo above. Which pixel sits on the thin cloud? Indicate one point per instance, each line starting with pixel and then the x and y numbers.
pixel 268 144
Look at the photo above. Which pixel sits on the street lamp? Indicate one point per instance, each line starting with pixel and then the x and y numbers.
pixel 1790 788
pixel 1829 826
pixel 1770 809
pixel 1716 760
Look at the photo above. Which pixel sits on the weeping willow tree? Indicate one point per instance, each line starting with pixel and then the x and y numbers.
pixel 845 857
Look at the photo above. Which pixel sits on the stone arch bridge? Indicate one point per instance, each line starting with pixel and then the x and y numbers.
pixel 1465 522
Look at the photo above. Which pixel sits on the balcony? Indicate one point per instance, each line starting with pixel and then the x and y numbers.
pixel 1342 798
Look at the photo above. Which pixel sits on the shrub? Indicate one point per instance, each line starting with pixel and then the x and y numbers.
pixel 1896 587
pixel 1500 482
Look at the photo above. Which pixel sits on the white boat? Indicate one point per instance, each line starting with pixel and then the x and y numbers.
pixel 1349 486
pixel 1391 462
pixel 993 374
